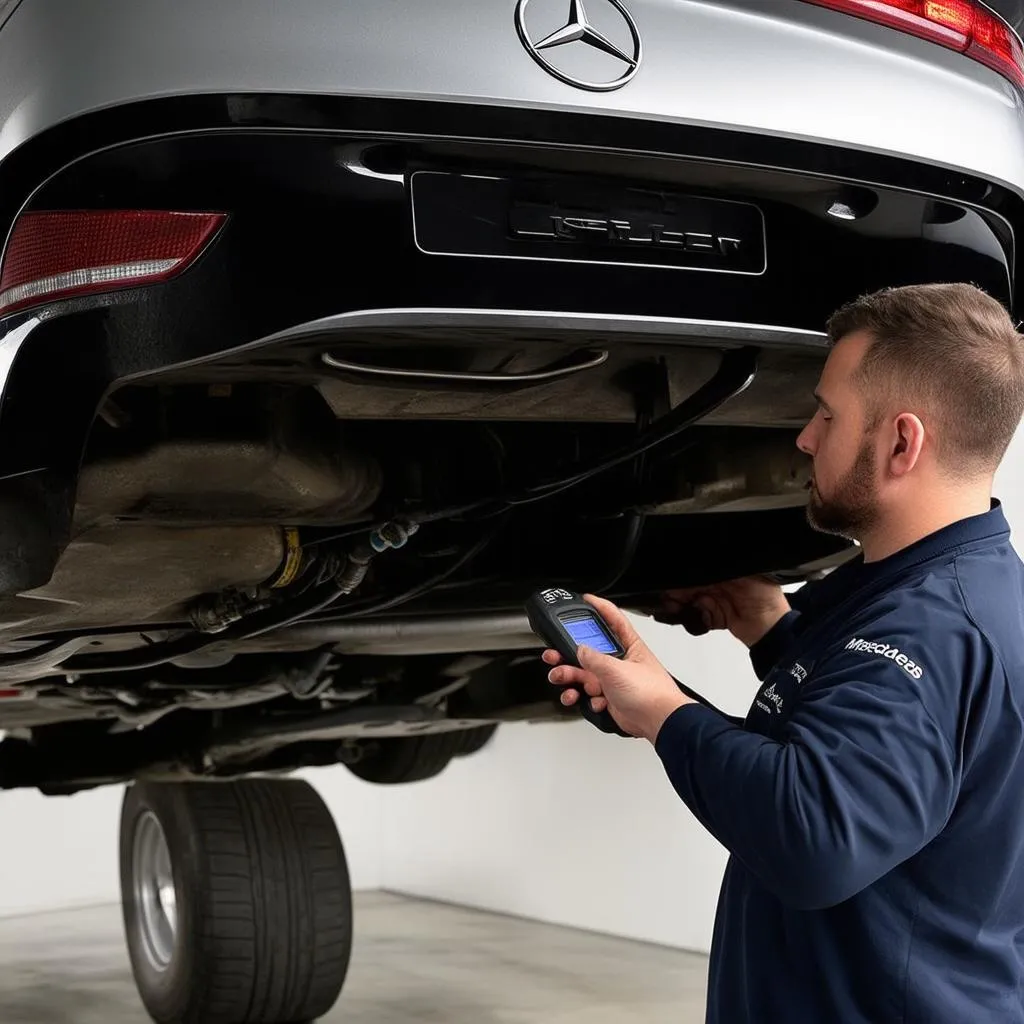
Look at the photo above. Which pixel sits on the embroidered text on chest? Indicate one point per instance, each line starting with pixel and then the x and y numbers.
pixel 770 700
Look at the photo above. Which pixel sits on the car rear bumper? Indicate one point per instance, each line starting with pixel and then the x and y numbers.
pixel 776 68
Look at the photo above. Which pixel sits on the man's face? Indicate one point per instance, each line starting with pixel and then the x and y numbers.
pixel 845 480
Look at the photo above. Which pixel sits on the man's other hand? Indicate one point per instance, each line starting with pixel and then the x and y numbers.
pixel 747 607
pixel 637 690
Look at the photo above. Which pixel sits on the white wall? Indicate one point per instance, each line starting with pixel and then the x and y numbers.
pixel 58 851
pixel 63 851
pixel 564 824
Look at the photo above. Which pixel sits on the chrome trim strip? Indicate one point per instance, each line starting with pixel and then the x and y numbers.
pixel 536 377
pixel 654 328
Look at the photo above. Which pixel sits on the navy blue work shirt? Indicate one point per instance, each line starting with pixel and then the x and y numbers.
pixel 872 799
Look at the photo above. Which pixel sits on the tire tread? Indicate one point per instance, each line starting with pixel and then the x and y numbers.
pixel 272 922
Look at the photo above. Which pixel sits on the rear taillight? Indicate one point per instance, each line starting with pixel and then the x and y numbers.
pixel 967 26
pixel 66 254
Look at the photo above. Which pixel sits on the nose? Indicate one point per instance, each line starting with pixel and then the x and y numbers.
pixel 805 442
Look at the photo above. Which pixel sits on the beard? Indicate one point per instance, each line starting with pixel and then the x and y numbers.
pixel 851 509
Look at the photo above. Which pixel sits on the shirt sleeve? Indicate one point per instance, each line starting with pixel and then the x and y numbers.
pixel 700 698
pixel 863 774
pixel 774 645
pixel 770 649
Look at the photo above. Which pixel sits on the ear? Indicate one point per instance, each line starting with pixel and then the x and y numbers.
pixel 909 442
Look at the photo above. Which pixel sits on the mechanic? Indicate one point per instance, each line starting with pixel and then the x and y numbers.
pixel 872 799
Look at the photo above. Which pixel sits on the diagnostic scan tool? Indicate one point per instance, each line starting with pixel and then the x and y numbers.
pixel 564 621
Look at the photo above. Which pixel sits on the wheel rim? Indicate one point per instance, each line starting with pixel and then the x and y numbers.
pixel 156 901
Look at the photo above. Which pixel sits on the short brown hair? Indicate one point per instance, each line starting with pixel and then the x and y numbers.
pixel 952 353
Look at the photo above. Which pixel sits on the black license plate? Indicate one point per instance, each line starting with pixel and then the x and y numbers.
pixel 566 221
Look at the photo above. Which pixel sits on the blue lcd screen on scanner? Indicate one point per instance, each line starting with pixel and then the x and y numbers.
pixel 588 631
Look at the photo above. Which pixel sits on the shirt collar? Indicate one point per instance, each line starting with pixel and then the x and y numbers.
pixel 981 530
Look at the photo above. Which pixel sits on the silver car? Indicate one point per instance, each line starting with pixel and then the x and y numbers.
pixel 330 332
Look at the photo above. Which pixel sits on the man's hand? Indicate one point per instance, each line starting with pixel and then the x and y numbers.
pixel 637 690
pixel 747 607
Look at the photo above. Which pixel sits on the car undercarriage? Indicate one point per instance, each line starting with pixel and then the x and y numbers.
pixel 218 607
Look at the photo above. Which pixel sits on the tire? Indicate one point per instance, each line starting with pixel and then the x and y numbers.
pixel 262 901
pixel 402 759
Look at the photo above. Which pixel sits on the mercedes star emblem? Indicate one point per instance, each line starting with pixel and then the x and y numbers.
pixel 579 31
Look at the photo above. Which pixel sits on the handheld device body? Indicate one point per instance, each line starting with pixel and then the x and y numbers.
pixel 565 621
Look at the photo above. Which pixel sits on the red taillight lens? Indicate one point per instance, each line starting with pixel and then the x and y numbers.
pixel 963 25
pixel 67 254
pixel 997 45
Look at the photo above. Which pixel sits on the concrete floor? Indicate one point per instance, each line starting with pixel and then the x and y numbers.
pixel 412 960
